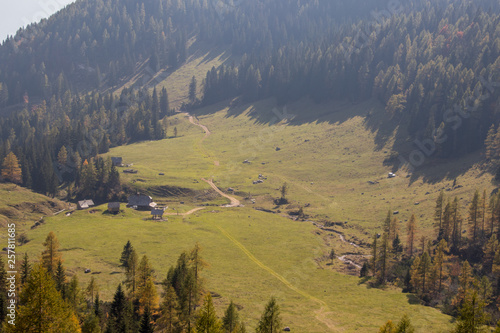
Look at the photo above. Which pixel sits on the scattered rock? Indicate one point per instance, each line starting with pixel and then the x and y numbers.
pixel 396 212
pixel 278 148
pixel 87 271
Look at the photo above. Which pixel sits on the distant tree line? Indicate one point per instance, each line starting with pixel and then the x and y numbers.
pixel 51 142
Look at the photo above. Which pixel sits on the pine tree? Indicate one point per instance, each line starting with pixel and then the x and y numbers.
pixel 198 264
pixel 439 261
pixel 92 289
pixel 60 279
pixel 146 322
pixel 91 324
pixel 483 207
pixel 388 327
pixel 332 255
pixel 51 255
pixel 120 314
pixel 97 306
pixel 131 272
pixel 42 308
pixel 438 213
pixel 11 170
pixel 25 269
pixel 192 90
pixel 416 279
pixel 74 295
pixel 62 156
pixel 465 282
pixel 231 319
pixel 456 219
pixel 384 258
pixel 387 223
pixel 125 254
pixel 490 143
pixel 412 228
pixel 207 318
pixel 404 325
pixel 374 255
pixel 472 317
pixel 270 322
pixel 424 270
pixel 446 222
pixel 490 249
pixel 474 216
pixel 164 103
pixel 169 318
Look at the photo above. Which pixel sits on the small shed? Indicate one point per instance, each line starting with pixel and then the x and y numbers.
pixel 157 213
pixel 114 207
pixel 84 204
pixel 117 161
pixel 142 202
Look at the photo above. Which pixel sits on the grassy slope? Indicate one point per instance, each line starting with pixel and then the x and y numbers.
pixel 330 171
pixel 23 207
pixel 252 256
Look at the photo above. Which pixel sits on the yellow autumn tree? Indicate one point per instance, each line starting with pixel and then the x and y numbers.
pixel 51 255
pixel 11 170
pixel 42 308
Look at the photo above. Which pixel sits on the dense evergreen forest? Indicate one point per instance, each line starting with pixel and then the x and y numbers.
pixel 435 65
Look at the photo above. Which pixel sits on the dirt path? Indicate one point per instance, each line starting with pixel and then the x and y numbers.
pixel 321 314
pixel 234 202
pixel 203 127
pixel 194 210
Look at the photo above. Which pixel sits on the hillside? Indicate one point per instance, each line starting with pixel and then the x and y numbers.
pixel 25 208
pixel 342 158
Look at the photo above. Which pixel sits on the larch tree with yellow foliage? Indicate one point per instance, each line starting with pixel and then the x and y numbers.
pixel 42 308
pixel 11 171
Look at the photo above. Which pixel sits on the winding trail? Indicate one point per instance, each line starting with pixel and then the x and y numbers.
pixel 234 202
pixel 203 127
pixel 323 312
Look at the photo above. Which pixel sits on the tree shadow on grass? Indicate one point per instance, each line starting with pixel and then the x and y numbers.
pixel 413 299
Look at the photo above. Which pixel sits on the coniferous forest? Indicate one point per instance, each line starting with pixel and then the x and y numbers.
pixel 432 64
pixel 65 101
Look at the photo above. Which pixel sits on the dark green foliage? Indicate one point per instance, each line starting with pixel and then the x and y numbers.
pixel 120 314
pixel 270 322
pixel 231 318
pixel 60 279
pixel 146 322
pixel 364 270
pixel 127 249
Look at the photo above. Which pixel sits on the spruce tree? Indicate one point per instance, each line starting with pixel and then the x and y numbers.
pixel 230 319
pixel 412 228
pixel 169 318
pixel 270 321
pixel 60 279
pixel 125 254
pixel 146 322
pixel 207 318
pixel 25 268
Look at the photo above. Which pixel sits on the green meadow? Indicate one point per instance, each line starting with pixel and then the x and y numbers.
pixel 327 162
